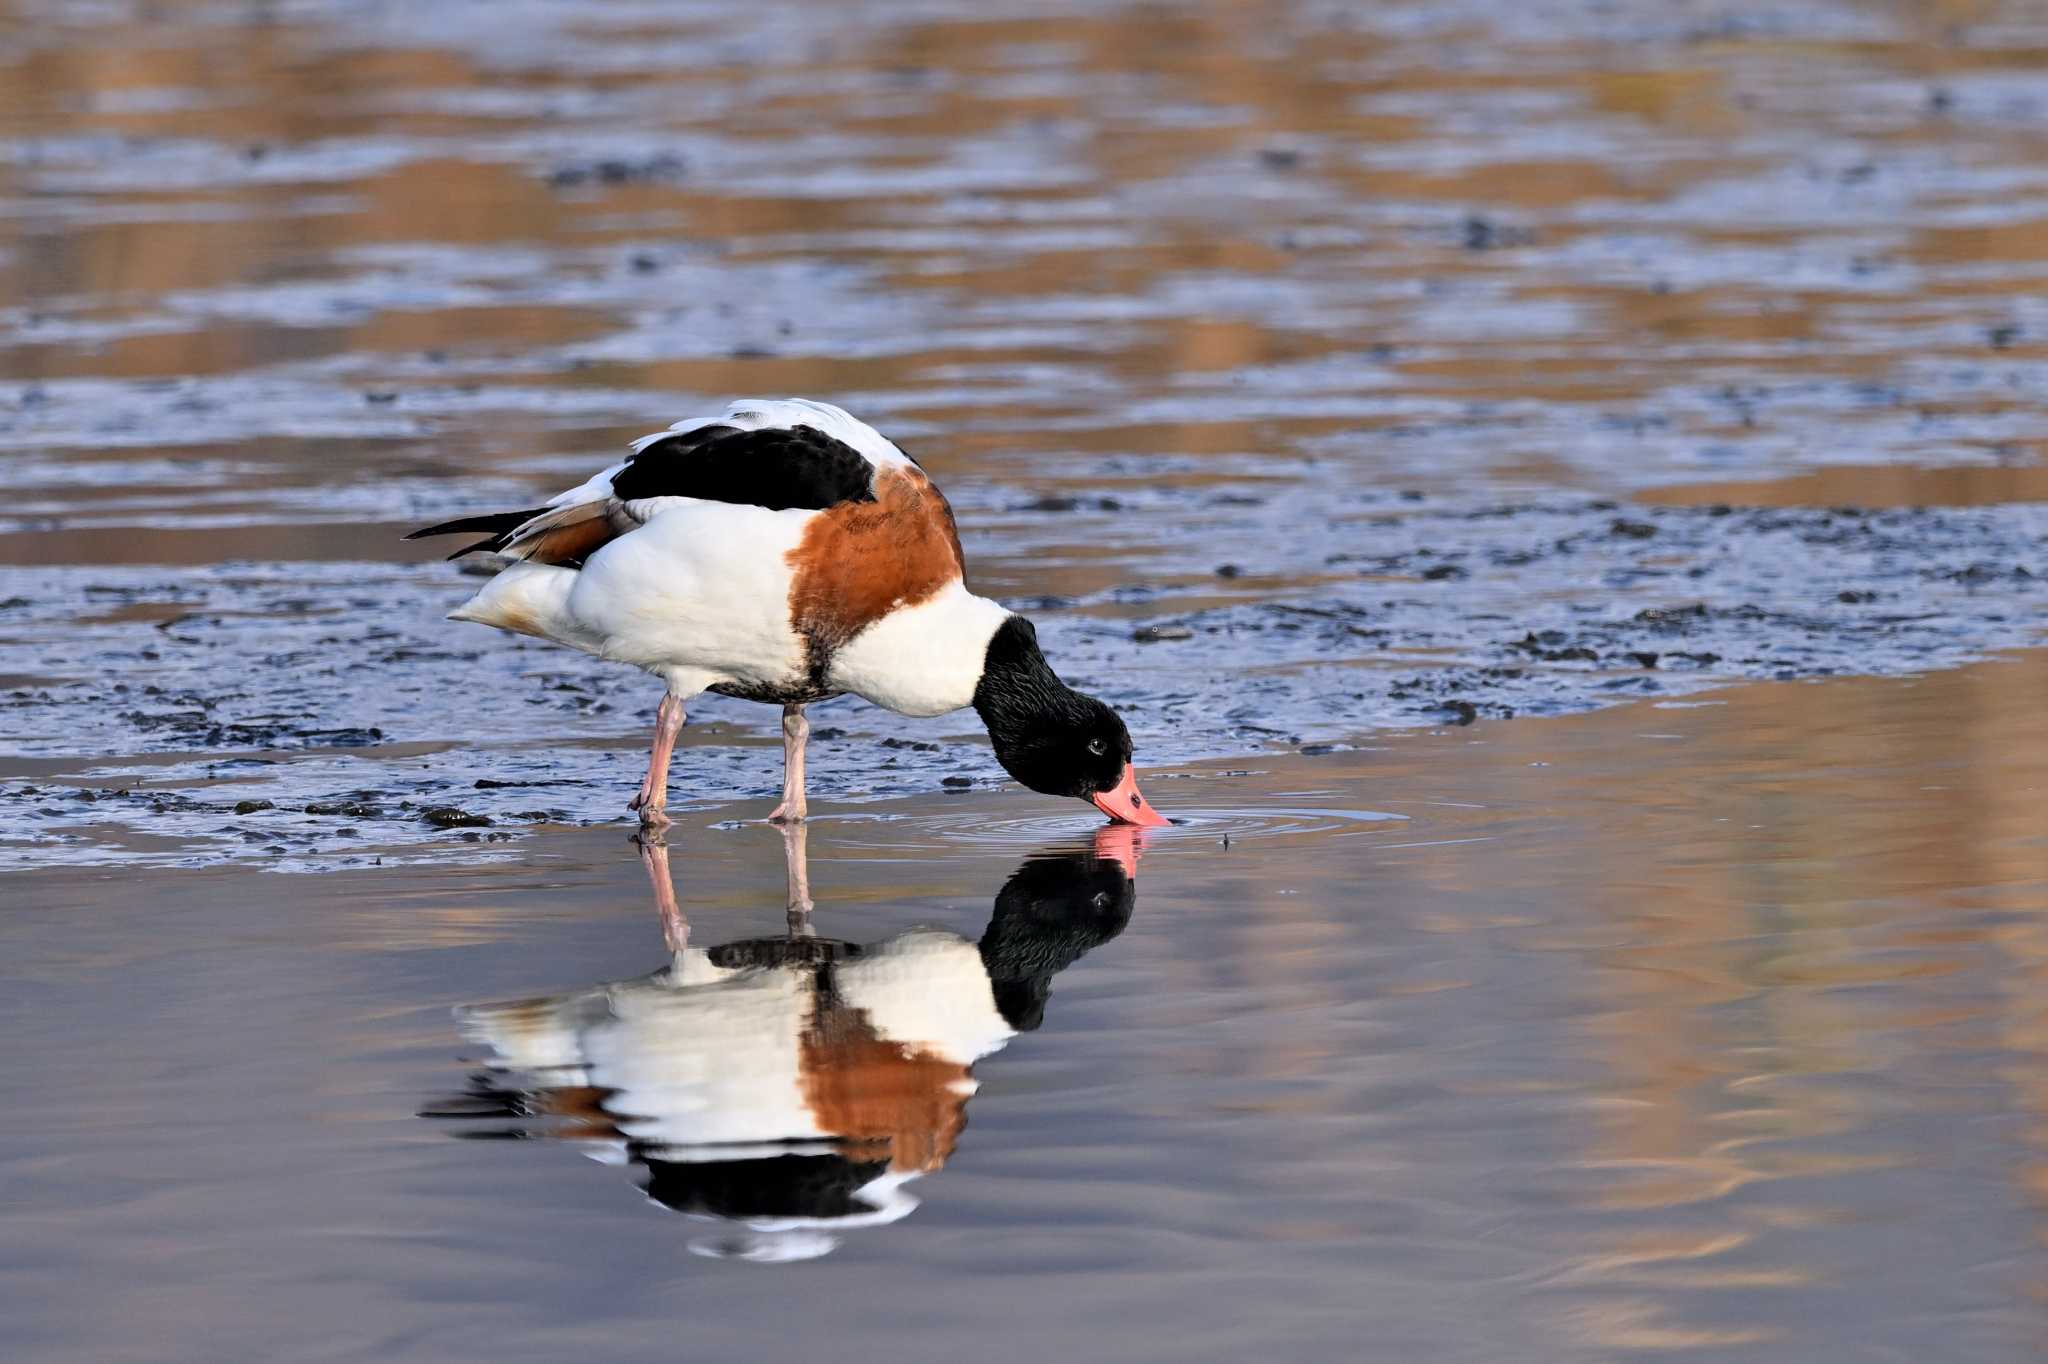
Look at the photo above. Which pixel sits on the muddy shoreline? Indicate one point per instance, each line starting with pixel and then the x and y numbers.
pixel 1432 615
pixel 1314 376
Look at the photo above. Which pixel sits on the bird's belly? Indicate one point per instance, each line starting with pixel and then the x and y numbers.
pixel 704 589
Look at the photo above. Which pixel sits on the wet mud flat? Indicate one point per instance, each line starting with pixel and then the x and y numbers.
pixel 1311 372
pixel 1697 1028
pixel 312 716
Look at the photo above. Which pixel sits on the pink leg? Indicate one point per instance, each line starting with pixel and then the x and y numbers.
pixel 796 867
pixel 653 797
pixel 675 929
pixel 795 729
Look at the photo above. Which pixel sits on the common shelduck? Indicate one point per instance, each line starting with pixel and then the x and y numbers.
pixel 785 552
pixel 793 1085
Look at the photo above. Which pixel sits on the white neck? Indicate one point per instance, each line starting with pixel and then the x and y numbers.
pixel 924 659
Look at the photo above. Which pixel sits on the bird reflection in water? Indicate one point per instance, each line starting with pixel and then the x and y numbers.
pixel 791 1087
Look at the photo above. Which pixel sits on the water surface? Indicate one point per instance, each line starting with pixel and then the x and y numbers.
pixel 1705 1029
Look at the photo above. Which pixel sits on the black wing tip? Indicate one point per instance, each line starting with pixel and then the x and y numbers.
pixel 497 523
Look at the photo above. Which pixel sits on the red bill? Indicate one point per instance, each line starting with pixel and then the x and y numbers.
pixel 1124 805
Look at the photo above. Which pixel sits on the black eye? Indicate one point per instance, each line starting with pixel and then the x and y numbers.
pixel 1098 747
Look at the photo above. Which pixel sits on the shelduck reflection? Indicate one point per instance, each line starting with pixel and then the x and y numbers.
pixel 790 1088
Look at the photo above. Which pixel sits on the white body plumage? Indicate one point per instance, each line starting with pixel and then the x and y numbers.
pixel 704 594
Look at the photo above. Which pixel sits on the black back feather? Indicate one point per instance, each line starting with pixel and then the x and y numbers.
pixel 780 469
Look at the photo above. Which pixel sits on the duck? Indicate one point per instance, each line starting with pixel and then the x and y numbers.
pixel 791 1088
pixel 785 552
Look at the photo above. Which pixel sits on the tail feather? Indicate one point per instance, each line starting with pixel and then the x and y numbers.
pixel 566 536
pixel 497 523
pixel 497 528
pixel 563 536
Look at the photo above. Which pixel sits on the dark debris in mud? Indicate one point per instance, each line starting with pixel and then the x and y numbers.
pixel 619 170
pixel 453 817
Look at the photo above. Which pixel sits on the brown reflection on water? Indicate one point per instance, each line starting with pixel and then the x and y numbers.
pixel 1797 1053
pixel 1969 485
pixel 1825 952
pixel 1558 222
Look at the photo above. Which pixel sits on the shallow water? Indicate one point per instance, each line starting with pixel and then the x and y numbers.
pixel 1556 490
pixel 1710 1030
